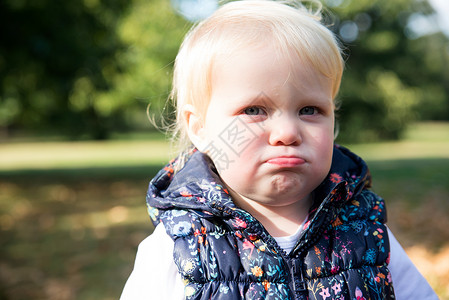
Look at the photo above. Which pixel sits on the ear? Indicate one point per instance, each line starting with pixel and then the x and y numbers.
pixel 194 125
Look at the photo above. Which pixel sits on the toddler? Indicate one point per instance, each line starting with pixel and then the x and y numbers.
pixel 261 204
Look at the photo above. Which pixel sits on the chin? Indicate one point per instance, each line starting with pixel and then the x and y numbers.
pixel 284 184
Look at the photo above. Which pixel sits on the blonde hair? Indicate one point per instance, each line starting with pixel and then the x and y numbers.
pixel 242 24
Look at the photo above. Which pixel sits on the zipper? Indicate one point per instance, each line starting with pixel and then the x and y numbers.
pixel 294 265
pixel 299 285
pixel 296 278
pixel 296 282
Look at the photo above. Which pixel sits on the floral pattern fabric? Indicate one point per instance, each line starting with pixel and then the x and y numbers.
pixel 222 252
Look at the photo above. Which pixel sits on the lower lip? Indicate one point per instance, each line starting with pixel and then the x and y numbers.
pixel 286 161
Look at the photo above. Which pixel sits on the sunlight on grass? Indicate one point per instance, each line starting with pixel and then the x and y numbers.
pixel 402 150
pixel 428 131
pixel 100 221
pixel 424 140
pixel 82 154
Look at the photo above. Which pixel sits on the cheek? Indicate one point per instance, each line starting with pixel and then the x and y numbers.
pixel 230 154
pixel 322 143
pixel 234 157
pixel 232 162
pixel 326 149
pixel 322 138
pixel 233 137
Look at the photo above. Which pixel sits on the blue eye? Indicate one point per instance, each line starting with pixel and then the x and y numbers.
pixel 308 110
pixel 253 111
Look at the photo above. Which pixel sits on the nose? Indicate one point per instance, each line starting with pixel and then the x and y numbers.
pixel 284 131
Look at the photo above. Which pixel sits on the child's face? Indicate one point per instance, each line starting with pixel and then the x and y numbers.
pixel 269 127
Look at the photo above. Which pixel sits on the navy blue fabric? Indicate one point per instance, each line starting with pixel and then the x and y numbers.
pixel 222 252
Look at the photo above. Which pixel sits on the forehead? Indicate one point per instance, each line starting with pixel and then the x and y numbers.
pixel 265 62
pixel 315 60
pixel 254 75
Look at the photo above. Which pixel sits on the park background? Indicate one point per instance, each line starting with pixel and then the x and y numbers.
pixel 77 149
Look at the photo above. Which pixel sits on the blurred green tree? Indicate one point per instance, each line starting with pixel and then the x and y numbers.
pixel 87 67
pixel 51 49
pixel 152 32
pixel 394 75
pixel 84 67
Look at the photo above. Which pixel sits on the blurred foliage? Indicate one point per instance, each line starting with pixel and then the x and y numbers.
pixel 52 53
pixel 394 75
pixel 86 68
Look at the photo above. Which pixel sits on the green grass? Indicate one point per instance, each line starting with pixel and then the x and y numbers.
pixel 75 155
pixel 422 141
pixel 73 213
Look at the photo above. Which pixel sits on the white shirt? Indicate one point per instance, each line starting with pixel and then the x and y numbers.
pixel 155 275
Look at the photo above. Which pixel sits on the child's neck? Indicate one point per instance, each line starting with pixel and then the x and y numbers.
pixel 278 220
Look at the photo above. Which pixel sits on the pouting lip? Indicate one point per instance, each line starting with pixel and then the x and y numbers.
pixel 284 156
pixel 286 160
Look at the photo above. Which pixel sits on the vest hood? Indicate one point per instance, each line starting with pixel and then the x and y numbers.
pixel 198 187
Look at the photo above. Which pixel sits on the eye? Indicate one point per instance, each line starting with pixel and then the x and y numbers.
pixel 253 111
pixel 308 110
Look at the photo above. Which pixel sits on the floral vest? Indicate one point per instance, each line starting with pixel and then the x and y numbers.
pixel 222 252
